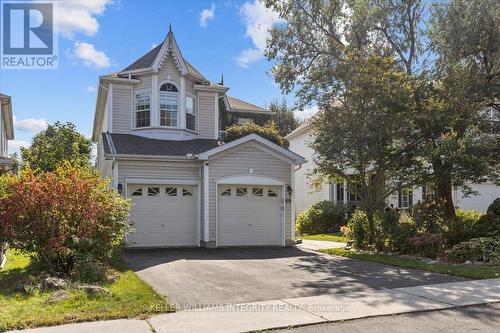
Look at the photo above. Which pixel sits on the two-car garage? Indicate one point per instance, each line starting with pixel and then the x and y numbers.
pixel 167 215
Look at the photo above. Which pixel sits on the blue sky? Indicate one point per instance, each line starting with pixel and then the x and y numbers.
pixel 99 37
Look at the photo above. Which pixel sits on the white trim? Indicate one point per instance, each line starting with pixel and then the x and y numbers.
pixel 299 130
pixel 115 175
pixel 155 102
pixel 134 106
pixel 292 205
pixel 110 108
pixel 170 44
pixel 297 159
pixel 216 96
pixel 283 215
pixel 120 80
pixel 162 181
pixel 206 196
pixel 249 180
pixel 181 121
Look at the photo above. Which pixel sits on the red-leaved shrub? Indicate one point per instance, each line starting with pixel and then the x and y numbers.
pixel 66 219
pixel 427 244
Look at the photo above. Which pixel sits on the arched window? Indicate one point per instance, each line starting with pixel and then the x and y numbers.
pixel 169 105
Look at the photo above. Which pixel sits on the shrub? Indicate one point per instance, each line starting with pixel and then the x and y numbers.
pixel 268 132
pixel 358 225
pixel 62 217
pixel 427 244
pixel 322 217
pixel 428 216
pixel 489 224
pixel 485 249
pixel 462 227
pixel 403 233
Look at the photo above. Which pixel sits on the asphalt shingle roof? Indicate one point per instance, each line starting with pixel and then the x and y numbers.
pixel 137 145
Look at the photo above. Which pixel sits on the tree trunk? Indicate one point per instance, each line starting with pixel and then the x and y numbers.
pixel 444 187
pixel 444 193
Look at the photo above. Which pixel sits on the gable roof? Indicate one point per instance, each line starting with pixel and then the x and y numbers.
pixel 6 113
pixel 299 130
pixel 146 61
pixel 128 144
pixel 288 154
pixel 237 105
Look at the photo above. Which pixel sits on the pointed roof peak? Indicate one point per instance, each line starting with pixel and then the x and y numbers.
pixel 222 79
pixel 170 27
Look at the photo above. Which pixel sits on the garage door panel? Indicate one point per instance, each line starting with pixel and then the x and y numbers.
pixel 249 216
pixel 167 218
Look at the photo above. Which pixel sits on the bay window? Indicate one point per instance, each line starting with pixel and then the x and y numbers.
pixel 169 105
pixel 190 113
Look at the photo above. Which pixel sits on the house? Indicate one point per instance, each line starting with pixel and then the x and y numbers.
pixel 157 126
pixel 305 194
pixel 6 132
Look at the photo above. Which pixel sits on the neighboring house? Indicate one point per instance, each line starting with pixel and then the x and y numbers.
pixel 157 126
pixel 305 194
pixel 6 132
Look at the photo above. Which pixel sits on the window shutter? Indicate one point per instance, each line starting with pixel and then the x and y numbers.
pixel 399 198
pixel 410 195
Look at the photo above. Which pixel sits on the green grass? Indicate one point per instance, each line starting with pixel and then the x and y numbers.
pixel 336 237
pixel 131 297
pixel 467 271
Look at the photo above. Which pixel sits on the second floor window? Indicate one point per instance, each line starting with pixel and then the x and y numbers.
pixel 190 114
pixel 142 110
pixel 169 105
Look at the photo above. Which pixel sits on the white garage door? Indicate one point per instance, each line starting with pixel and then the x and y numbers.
pixel 249 215
pixel 163 215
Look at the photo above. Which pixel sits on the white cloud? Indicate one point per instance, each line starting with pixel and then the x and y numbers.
pixel 30 125
pixel 91 89
pixel 207 14
pixel 258 20
pixel 14 146
pixel 79 16
pixel 90 55
pixel 306 113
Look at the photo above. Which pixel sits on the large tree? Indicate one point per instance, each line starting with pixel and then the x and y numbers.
pixel 361 137
pixel 283 117
pixel 56 144
pixel 310 49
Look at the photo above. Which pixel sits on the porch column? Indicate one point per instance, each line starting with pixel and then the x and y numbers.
pixel 345 192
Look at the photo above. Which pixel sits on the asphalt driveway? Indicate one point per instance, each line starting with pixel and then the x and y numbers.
pixel 241 275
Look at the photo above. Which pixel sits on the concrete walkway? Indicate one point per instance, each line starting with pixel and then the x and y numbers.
pixel 319 245
pixel 302 311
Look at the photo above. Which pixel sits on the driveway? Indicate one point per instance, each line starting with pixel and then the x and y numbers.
pixel 241 275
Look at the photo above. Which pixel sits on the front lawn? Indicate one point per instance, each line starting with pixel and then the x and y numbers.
pixel 467 271
pixel 130 297
pixel 336 237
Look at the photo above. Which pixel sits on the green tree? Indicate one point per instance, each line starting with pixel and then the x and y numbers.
pixel 55 145
pixel 362 138
pixel 283 117
pixel 268 132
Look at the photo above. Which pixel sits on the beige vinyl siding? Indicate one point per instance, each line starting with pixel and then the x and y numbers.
pixel 237 162
pixel 157 169
pixel 122 108
pixel 206 115
pixel 145 82
pixel 170 72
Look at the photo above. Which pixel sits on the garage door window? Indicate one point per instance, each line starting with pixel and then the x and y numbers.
pixel 241 191
pixel 153 191
pixel 258 191
pixel 226 192
pixel 137 193
pixel 171 191
pixel 271 193
pixel 186 193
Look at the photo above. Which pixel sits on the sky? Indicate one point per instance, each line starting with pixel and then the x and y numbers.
pixel 103 36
